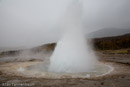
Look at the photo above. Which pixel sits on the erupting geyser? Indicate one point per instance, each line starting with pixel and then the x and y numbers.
pixel 72 57
pixel 72 53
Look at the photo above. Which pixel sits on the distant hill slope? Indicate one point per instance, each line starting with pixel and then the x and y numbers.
pixel 44 49
pixel 116 42
pixel 109 32
pixel 104 43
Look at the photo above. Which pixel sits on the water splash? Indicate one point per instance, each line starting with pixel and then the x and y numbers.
pixel 72 54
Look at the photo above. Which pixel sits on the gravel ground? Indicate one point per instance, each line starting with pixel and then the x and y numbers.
pixel 116 80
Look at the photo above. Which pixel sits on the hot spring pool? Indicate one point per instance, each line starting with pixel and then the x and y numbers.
pixel 40 69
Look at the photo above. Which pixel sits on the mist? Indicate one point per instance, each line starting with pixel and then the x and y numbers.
pixel 30 23
pixel 72 53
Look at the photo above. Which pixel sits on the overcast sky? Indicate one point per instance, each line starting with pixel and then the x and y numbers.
pixel 35 22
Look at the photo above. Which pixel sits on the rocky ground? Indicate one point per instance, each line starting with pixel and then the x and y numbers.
pixel 118 80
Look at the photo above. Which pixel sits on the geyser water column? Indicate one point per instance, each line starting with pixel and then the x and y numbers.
pixel 72 54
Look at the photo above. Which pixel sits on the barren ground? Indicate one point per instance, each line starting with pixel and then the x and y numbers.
pixel 119 80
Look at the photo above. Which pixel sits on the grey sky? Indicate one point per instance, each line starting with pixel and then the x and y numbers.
pixel 34 22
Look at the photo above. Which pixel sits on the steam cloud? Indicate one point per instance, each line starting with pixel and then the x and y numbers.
pixel 71 53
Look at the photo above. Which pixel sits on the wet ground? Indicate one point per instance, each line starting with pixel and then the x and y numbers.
pixel 114 80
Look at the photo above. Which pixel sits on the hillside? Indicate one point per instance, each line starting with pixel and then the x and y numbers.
pixel 104 43
pixel 112 43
